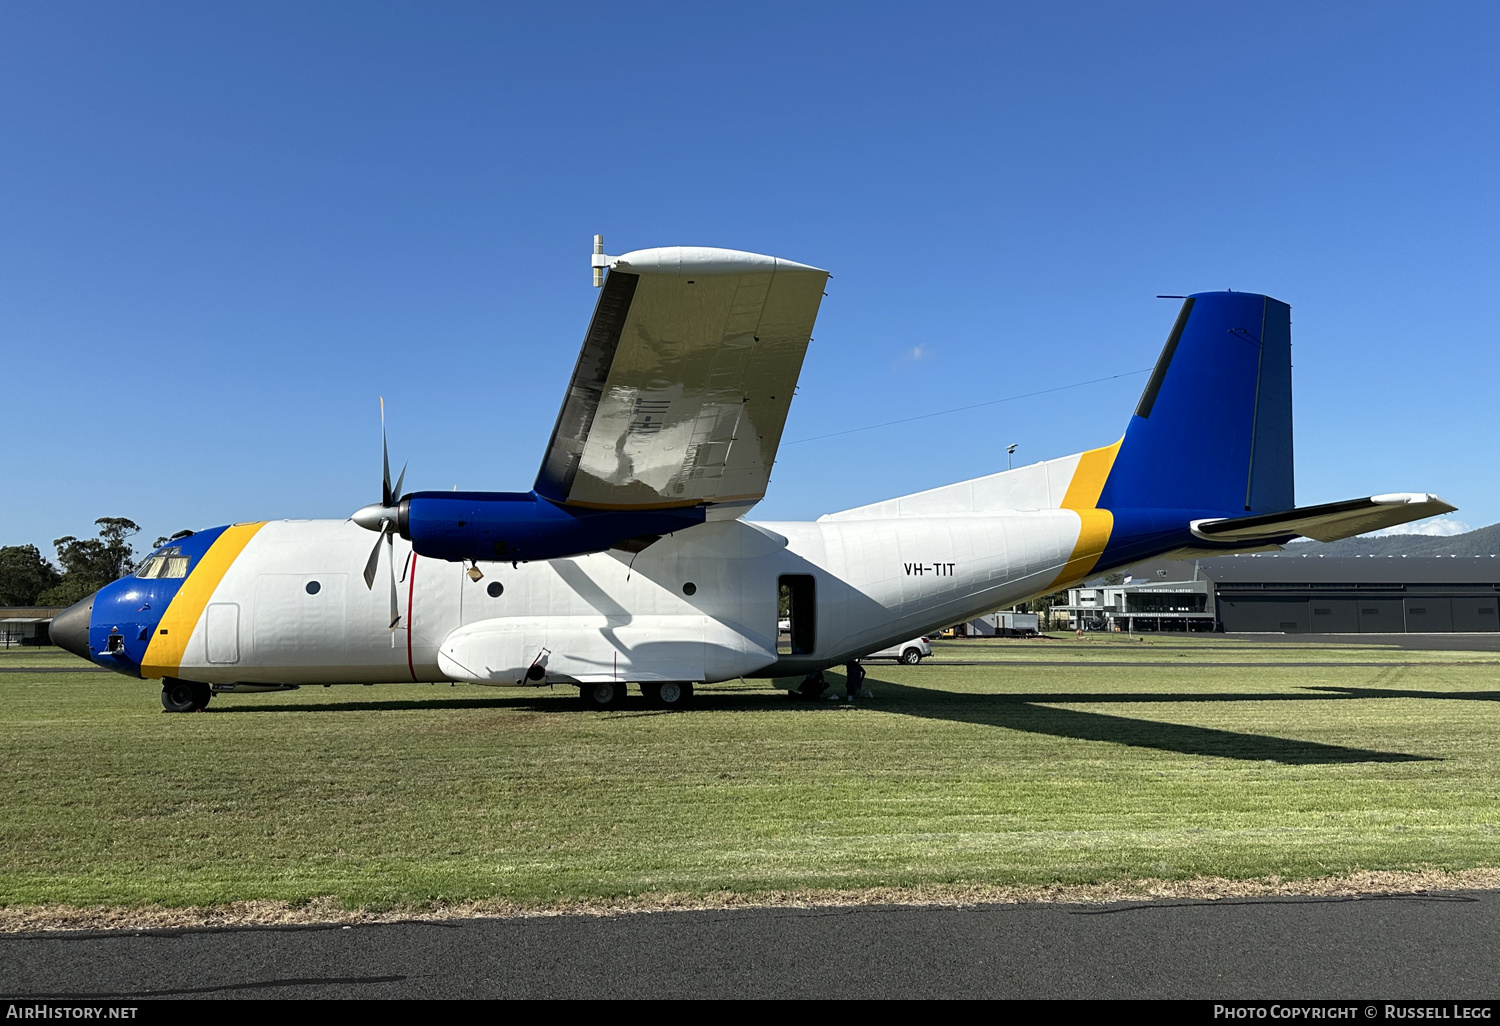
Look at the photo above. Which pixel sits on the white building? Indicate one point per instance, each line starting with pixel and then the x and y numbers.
pixel 1153 596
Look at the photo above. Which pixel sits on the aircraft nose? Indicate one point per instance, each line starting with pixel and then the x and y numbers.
pixel 70 628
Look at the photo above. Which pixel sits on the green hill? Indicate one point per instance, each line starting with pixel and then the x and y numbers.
pixel 1482 542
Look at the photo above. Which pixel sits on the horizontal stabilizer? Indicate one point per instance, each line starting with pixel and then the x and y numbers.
pixel 1329 522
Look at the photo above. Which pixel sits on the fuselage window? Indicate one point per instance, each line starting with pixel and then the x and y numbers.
pixel 797 608
pixel 169 563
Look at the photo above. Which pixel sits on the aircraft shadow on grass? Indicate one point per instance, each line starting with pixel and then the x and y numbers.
pixel 1034 712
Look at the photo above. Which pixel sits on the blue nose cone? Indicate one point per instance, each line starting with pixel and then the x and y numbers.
pixel 70 628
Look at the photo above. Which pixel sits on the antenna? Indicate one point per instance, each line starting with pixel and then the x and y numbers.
pixel 600 261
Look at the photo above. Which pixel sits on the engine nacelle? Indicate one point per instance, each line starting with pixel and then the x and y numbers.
pixel 524 526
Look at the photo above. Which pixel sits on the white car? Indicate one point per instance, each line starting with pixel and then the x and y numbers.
pixel 908 652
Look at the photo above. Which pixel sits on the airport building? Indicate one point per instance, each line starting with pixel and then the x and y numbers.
pixel 1163 595
pixel 25 625
pixel 1288 593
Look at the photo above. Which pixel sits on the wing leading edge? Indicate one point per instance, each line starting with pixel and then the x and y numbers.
pixel 684 381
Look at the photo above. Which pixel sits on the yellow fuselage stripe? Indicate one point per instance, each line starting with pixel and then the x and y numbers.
pixel 1094 524
pixel 1093 534
pixel 164 653
pixel 1089 477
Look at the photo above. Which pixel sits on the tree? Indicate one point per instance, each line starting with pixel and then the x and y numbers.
pixel 24 574
pixel 1042 606
pixel 91 563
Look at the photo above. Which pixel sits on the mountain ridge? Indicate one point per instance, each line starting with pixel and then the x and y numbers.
pixel 1483 541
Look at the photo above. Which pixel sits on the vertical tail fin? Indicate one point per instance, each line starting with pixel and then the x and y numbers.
pixel 1213 429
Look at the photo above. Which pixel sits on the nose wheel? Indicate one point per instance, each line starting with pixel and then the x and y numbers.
pixel 184 695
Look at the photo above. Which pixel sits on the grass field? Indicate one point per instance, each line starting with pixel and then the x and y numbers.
pixel 1044 763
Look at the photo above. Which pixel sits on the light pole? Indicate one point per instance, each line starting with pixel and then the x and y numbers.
pixel 1010 450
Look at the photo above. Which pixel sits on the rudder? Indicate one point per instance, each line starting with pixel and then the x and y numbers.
pixel 1213 428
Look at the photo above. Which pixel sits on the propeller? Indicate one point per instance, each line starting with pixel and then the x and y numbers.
pixel 381 517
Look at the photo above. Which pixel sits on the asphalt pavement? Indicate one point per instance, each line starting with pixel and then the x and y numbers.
pixel 1433 946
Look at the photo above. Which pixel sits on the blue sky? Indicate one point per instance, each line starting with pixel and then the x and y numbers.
pixel 225 229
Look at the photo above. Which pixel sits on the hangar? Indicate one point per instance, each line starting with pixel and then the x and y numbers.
pixel 1363 594
pixel 1288 593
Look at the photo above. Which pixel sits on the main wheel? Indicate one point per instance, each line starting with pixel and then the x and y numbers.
pixel 184 695
pixel 607 695
pixel 911 656
pixel 671 695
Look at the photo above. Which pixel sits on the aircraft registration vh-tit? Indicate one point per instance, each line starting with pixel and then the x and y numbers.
pixel 630 560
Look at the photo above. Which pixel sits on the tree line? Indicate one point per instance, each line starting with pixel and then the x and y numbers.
pixel 84 565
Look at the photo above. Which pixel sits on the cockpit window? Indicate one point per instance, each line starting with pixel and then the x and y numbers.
pixel 168 562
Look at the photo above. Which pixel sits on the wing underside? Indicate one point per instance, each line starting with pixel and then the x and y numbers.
pixel 684 381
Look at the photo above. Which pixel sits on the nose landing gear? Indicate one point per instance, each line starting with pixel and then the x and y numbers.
pixel 184 695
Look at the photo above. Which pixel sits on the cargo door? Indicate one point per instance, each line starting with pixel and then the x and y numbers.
pixel 797 614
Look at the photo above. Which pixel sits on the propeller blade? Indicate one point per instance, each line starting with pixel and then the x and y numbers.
pixel 390 542
pixel 374 561
pixel 400 479
pixel 385 459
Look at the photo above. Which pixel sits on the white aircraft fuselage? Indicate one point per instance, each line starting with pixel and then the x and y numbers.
pixel 602 616
pixel 628 562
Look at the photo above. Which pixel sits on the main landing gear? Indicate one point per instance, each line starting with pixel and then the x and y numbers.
pixel 659 695
pixel 669 694
pixel 184 695
pixel 603 696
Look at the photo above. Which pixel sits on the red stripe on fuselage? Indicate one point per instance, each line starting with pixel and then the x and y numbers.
pixel 411 592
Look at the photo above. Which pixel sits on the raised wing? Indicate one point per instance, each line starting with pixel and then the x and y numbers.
pixel 683 385
pixel 1328 522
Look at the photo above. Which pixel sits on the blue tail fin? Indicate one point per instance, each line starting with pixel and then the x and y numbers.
pixel 1213 430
